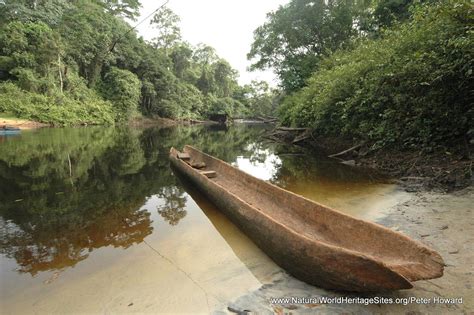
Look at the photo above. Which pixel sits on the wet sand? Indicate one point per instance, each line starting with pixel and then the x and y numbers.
pixel 202 265
pixel 206 265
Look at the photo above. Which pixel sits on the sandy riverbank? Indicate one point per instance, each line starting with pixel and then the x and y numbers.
pixel 442 221
pixel 205 265
pixel 23 124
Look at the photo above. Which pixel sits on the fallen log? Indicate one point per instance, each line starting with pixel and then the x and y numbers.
pixel 291 129
pixel 413 178
pixel 346 151
pixel 349 162
pixel 197 121
pixel 301 138
pixel 291 154
pixel 270 117
pixel 266 120
pixel 273 134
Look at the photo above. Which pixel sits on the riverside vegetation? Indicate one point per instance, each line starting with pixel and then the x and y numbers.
pixel 391 71
pixel 394 74
pixel 78 62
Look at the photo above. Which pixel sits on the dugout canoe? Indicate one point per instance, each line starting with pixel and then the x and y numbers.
pixel 314 243
pixel 8 130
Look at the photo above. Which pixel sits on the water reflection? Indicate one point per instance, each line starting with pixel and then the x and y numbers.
pixel 67 192
pixel 104 201
pixel 261 163
pixel 175 202
pixel 60 241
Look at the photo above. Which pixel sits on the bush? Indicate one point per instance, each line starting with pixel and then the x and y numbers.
pixel 122 88
pixel 410 87
pixel 57 109
pixel 226 105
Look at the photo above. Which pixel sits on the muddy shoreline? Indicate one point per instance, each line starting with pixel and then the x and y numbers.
pixel 145 122
pixel 442 221
pixel 440 169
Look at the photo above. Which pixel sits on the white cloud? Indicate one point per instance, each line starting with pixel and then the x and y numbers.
pixel 226 25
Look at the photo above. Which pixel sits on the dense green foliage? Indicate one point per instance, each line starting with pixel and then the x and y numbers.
pixel 57 108
pixel 122 88
pixel 405 80
pixel 79 62
pixel 298 35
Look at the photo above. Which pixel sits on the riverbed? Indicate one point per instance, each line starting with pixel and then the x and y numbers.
pixel 92 220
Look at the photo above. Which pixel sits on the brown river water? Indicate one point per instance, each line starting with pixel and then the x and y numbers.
pixel 92 220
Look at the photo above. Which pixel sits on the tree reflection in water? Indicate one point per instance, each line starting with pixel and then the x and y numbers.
pixel 53 215
pixel 57 244
pixel 173 209
pixel 66 192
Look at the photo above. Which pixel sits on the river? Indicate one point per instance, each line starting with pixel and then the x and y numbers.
pixel 92 220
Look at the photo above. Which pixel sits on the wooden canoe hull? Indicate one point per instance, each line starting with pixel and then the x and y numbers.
pixel 9 132
pixel 316 263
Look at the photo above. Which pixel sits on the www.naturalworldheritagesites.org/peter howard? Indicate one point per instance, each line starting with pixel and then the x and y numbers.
pixel 365 301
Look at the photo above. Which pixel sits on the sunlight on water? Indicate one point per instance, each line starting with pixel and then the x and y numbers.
pixel 92 220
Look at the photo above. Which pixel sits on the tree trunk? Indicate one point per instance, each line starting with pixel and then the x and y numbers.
pixel 61 83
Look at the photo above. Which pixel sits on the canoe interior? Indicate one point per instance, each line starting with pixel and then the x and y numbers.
pixel 407 257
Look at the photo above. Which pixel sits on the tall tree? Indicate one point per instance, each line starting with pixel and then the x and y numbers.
pixel 387 12
pixel 165 21
pixel 49 12
pixel 126 8
pixel 89 32
pixel 122 88
pixel 224 78
pixel 28 53
pixel 296 36
pixel 181 58
pixel 204 55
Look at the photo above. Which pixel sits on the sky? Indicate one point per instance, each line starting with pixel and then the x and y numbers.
pixel 226 25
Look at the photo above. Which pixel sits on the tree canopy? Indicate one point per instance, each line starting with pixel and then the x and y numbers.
pixel 298 35
pixel 396 72
pixel 77 62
